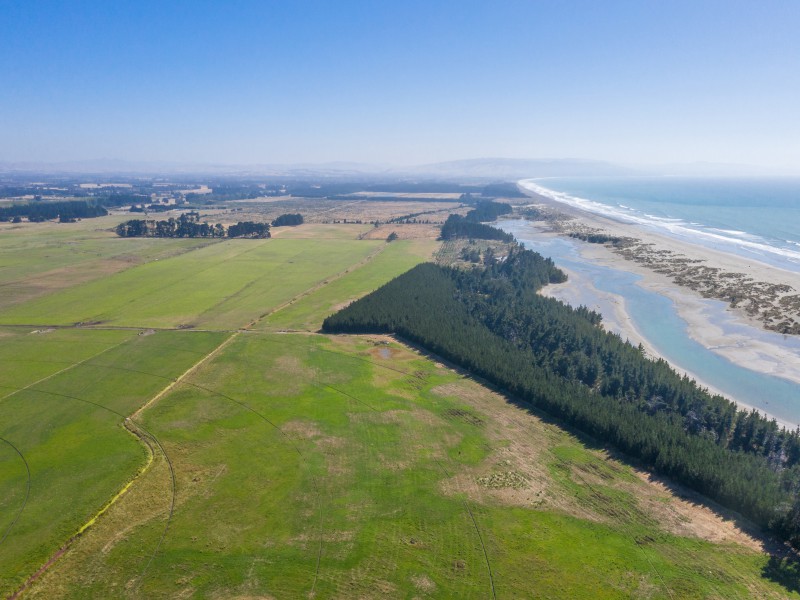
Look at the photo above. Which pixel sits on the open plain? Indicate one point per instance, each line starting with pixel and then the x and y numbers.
pixel 171 425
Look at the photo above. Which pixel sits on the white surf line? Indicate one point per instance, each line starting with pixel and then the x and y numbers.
pixel 67 368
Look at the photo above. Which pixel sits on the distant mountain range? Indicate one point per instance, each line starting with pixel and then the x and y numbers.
pixel 517 168
pixel 479 169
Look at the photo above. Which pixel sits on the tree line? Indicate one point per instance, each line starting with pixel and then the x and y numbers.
pixel 493 322
pixel 488 211
pixel 290 220
pixel 65 211
pixel 457 226
pixel 188 225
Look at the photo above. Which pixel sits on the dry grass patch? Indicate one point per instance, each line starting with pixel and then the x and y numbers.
pixel 146 500
pixel 683 512
pixel 516 474
pixel 294 374
pixel 423 583
pixel 367 210
pixel 341 231
pixel 52 281
pixel 411 231
pixel 301 430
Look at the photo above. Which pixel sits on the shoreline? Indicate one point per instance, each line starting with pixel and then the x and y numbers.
pixel 618 322
pixel 758 292
pixel 745 342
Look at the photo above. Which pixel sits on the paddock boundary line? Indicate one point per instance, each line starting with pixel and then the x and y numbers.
pixel 27 490
pixel 66 546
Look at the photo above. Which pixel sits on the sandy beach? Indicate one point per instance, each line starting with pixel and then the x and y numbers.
pixel 662 263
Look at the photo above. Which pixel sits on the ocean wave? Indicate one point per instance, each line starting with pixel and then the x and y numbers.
pixel 735 232
pixel 731 240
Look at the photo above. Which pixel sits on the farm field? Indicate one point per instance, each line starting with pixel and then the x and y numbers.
pixel 224 285
pixel 260 463
pixel 37 261
pixel 353 467
pixel 309 312
pixel 65 450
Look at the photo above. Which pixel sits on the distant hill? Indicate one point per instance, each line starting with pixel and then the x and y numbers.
pixel 476 169
pixel 516 168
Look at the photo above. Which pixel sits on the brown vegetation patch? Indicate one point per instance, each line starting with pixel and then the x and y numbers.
pixel 423 583
pixel 227 596
pixel 301 429
pixel 525 453
pixel 329 446
pixel 383 352
pixel 41 284
pixel 368 211
pixel 329 537
pixel 684 512
pixel 411 231
pixel 293 373
pixel 504 479
pixel 517 439
pixel 383 417
pixel 464 415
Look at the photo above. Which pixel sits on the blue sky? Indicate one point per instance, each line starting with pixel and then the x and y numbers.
pixel 401 82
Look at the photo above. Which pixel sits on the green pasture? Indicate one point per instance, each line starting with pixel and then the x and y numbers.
pixel 37 259
pixel 222 285
pixel 303 465
pixel 330 467
pixel 308 312
pixel 68 427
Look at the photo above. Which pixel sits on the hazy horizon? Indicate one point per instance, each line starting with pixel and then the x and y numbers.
pixel 633 84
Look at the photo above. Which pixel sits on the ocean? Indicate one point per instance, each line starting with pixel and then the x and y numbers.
pixel 752 217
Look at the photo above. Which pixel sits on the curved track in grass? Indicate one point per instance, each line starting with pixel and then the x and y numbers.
pixel 124 421
pixel 147 437
pixel 27 489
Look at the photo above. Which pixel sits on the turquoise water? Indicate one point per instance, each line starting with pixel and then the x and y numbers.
pixel 759 218
pixel 656 318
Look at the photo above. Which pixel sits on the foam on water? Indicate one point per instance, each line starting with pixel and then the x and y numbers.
pixel 731 240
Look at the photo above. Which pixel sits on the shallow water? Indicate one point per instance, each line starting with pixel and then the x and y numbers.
pixel 655 316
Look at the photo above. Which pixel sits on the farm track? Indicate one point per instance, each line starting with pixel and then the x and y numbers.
pixel 143 435
pixel 144 439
